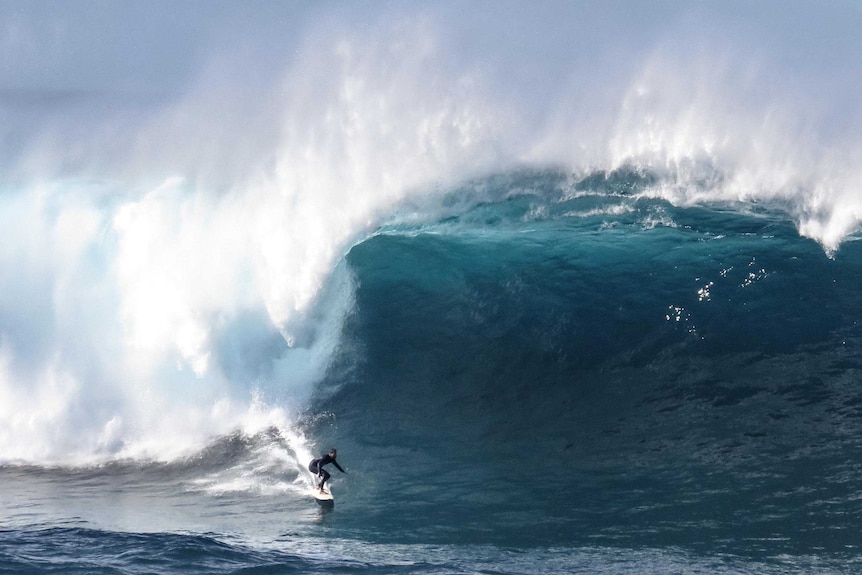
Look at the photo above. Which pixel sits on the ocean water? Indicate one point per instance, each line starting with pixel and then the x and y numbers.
pixel 610 328
pixel 568 376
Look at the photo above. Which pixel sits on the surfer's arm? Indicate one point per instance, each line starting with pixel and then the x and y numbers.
pixel 338 466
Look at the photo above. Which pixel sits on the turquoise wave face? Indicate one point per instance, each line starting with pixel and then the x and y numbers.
pixel 597 358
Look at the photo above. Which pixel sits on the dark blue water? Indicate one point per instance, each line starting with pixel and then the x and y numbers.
pixel 607 378
pixel 553 374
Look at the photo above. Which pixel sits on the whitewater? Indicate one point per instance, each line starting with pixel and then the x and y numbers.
pixel 572 288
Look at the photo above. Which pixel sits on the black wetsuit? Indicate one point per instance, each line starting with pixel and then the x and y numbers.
pixel 316 467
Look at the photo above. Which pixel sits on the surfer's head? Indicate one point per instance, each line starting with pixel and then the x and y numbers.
pixel 332 453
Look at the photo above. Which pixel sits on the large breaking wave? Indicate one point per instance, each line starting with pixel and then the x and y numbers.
pixel 174 268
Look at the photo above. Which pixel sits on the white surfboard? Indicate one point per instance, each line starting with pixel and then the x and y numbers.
pixel 322 498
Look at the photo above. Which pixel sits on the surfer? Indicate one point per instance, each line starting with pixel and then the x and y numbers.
pixel 316 467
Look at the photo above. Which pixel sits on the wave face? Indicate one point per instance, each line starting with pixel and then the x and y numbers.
pixel 581 352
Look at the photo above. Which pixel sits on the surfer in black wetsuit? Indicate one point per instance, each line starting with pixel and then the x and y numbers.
pixel 316 467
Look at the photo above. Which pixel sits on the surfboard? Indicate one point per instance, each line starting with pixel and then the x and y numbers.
pixel 324 498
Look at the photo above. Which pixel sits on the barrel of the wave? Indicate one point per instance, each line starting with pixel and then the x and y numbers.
pixel 321 476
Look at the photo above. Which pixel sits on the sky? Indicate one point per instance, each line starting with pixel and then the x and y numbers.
pixel 124 57
pixel 218 92
pixel 162 45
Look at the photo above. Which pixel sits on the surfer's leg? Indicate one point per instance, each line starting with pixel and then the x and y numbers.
pixel 324 476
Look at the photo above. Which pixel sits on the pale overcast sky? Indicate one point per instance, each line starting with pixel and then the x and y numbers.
pixel 229 59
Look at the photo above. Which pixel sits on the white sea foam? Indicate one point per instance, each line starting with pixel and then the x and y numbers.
pixel 160 311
